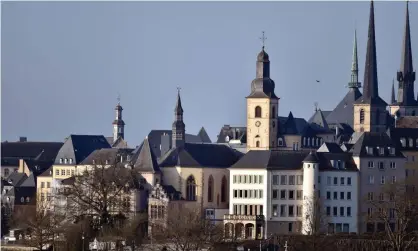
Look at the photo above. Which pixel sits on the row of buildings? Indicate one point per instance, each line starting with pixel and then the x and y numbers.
pixel 263 178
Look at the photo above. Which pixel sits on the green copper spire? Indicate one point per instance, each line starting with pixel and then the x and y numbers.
pixel 354 83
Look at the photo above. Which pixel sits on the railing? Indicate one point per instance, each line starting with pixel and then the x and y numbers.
pixel 244 217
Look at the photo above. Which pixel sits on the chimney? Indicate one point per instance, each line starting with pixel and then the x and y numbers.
pixel 23 139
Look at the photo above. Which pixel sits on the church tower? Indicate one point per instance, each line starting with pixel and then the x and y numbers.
pixel 406 105
pixel 118 123
pixel 262 107
pixel 370 110
pixel 178 136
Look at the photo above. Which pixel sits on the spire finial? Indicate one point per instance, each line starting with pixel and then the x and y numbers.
pixel 118 98
pixel 354 83
pixel 178 90
pixel 263 39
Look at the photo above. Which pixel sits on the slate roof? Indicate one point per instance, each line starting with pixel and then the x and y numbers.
pixel 46 173
pixel 344 111
pixel 154 138
pixel 78 147
pixel 24 192
pixel 375 140
pixel 292 160
pixel 144 160
pixel 38 167
pixel 112 155
pixel 319 118
pixel 330 147
pixel 29 182
pixel 407 133
pixel 291 125
pixel 200 155
pixel 346 147
pixel 16 178
pixel 233 133
pixel 11 152
pixel 407 122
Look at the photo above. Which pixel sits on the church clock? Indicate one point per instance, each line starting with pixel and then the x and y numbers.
pixel 257 123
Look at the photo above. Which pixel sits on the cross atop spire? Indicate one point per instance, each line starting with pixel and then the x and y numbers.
pixel 263 39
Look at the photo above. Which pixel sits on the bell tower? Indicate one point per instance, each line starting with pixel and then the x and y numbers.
pixel 118 123
pixel 262 107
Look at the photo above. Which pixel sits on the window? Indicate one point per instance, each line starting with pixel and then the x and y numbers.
pixel 22 199
pixel 72 172
pixel 234 179
pixel 335 211
pixel 258 112
pixel 274 211
pixel 411 142
pixel 342 180
pixel 68 172
pixel 224 189
pixel 391 213
pixel 341 195
pixel 392 150
pixel 273 112
pixel 61 161
pixel 48 185
pixel 299 194
pixel 370 196
pixel 282 210
pixel 283 194
pixel 371 179
pixel 291 211
pixel 370 212
pixel 280 141
pixel 210 189
pixel 349 211
pixel 291 194
pixel 341 211
pixel 335 196
pixel 335 181
pixel 42 184
pixel 328 181
pixel 299 179
pixel 260 179
pixel 257 143
pixel 403 142
pixel 371 164
pixel 346 228
pixel 291 179
pixel 361 116
pixel 62 172
pixel 250 179
pixel 393 165
pixel 328 195
pixel 369 150
pixel 6 172
pixel 71 160
pixel 381 165
pixel 381 197
pixel 348 195
pixel 283 180
pixel 382 180
pixel 191 188
pixel 349 181
pixel 57 172
pixel 275 194
pixel 275 179
pixel 328 211
pixel 65 161
pixel 245 179
pixel 393 179
pixel 298 211
pixel 382 151
pixel 260 192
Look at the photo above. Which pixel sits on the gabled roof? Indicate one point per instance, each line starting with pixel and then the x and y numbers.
pixel 233 133
pixel 38 167
pixel 16 178
pixel 203 135
pixel 29 182
pixel 375 140
pixel 291 125
pixel 200 155
pixel 330 148
pixel 144 160
pixel 78 147
pixel 154 138
pixel 344 111
pixel 11 152
pixel 120 143
pixel 319 118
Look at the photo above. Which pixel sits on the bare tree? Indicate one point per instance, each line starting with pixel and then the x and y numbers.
pixel 103 192
pixel 396 208
pixel 40 224
pixel 186 230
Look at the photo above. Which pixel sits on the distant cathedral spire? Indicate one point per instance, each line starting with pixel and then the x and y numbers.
pixel 354 83
pixel 178 129
pixel 370 84
pixel 406 75
pixel 118 123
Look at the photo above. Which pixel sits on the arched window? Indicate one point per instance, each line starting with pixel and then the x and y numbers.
pixel 210 189
pixel 224 189
pixel 257 143
pixel 258 112
pixel 273 112
pixel 191 188
pixel 361 116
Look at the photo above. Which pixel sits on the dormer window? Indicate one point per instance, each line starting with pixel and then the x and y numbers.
pixel 22 199
pixel 280 142
pixel 411 142
pixel 27 199
pixel 61 161
pixel 403 142
pixel 65 161
pixel 392 150
pixel 381 151
pixel 107 162
pixel 94 162
pixel 70 160
pixel 369 150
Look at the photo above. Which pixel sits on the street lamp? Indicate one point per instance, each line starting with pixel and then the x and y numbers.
pixel 82 238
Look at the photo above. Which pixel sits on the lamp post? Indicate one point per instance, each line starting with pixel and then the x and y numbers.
pixel 82 238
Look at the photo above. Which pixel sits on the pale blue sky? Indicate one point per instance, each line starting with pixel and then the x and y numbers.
pixel 64 63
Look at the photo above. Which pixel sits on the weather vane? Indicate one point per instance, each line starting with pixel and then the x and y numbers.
pixel 263 39
pixel 118 98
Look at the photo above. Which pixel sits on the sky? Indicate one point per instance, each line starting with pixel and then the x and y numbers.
pixel 63 64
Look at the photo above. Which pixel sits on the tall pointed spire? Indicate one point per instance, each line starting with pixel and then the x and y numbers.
pixel 370 88
pixel 178 136
pixel 406 75
pixel 354 83
pixel 392 98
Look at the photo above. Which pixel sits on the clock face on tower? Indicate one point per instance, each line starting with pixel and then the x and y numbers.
pixel 257 123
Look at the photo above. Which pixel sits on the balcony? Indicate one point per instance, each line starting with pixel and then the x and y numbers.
pixel 244 217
